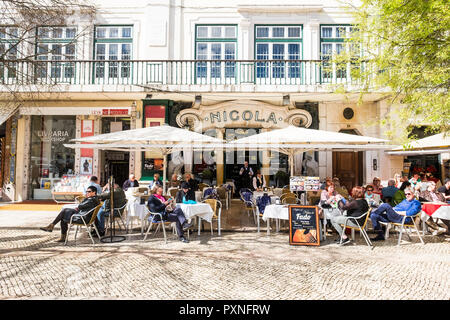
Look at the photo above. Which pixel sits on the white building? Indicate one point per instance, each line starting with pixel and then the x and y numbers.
pixel 157 69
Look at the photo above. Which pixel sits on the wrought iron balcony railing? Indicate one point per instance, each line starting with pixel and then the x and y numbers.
pixel 177 72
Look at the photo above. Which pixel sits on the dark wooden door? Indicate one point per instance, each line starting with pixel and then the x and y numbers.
pixel 347 166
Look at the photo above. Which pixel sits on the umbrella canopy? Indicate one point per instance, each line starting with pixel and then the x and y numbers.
pixel 291 140
pixel 162 138
pixel 438 143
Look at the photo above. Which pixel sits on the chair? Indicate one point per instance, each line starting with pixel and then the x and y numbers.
pixel 117 214
pixel 172 192
pixel 362 229
pixel 247 198
pixel 158 222
pixel 79 199
pixel 403 226
pixel 202 185
pixel 142 189
pixel 88 225
pixel 289 200
pixel 289 195
pixel 216 207
pixel 285 190
pixel 223 195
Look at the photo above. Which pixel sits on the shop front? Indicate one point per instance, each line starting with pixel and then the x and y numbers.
pixel 50 160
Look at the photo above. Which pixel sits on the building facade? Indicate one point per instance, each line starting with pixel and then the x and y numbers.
pixel 227 70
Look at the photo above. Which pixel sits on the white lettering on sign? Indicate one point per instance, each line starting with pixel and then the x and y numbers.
pixel 246 115
pixel 55 136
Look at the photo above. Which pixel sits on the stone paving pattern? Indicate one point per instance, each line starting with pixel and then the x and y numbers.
pixel 237 265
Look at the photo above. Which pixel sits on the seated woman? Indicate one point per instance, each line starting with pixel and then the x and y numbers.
pixel 432 195
pixel 185 194
pixel 376 183
pixel 399 196
pixel 329 197
pixel 174 181
pixel 355 208
pixel 372 198
pixel 342 190
pixel 158 204
pixel 259 183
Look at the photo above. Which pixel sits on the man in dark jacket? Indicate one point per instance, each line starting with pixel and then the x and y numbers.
pixel 185 193
pixel 119 201
pixel 158 204
pixel 89 203
pixel 130 183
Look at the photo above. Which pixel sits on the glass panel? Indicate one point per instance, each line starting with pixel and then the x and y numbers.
pixel 326 50
pixel 339 48
pixel 57 33
pixel 101 33
pixel 278 54
pixel 202 54
pixel 56 49
pixel 327 32
pixel 230 32
pixel 13 33
pixel 216 32
pixel 44 33
pixel 230 54
pixel 262 53
pixel 113 55
pixel 71 33
pixel 126 55
pixel 278 32
pixel 294 32
pixel 262 32
pixel 340 32
pixel 114 32
pixel 202 32
pixel 294 54
pixel 216 54
pixel 70 51
pixel 100 55
pixel 126 32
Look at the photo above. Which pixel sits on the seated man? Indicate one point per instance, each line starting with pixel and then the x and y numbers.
pixel 130 183
pixel 158 204
pixel 185 193
pixel 385 213
pixel 89 203
pixel 156 182
pixel 119 201
pixel 388 192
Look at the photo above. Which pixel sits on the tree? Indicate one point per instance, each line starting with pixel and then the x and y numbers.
pixel 405 48
pixel 19 46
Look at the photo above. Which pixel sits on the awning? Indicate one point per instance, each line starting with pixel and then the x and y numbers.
pixel 6 111
pixel 417 152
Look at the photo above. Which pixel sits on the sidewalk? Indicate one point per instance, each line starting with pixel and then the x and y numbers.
pixel 237 265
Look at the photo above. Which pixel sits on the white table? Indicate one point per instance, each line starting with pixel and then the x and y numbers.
pixel 136 210
pixel 202 210
pixel 274 211
pixel 443 212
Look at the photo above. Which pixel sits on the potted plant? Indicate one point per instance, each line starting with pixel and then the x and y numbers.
pixel 207 175
pixel 281 178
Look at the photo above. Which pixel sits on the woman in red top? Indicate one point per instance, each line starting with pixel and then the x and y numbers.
pixel 377 185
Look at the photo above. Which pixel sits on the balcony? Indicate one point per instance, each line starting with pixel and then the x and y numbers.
pixel 178 75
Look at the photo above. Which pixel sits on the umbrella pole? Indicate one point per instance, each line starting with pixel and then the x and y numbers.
pixel 164 172
pixel 291 162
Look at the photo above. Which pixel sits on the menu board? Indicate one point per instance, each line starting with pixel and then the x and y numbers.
pixel 304 229
pixel 302 183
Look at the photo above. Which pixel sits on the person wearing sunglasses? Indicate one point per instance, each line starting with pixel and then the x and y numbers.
pixel 89 203
pixel 372 198
pixel 385 213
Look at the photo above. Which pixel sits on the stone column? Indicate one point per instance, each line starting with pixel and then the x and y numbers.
pixel 219 160
pixel 22 157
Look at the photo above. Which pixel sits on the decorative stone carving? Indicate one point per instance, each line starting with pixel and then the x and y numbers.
pixel 243 113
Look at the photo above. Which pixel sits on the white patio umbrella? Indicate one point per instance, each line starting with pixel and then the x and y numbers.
pixel 438 143
pixel 292 140
pixel 162 138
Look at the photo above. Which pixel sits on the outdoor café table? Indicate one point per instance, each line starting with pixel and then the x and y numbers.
pixel 275 211
pixel 434 210
pixel 201 210
pixel 136 210
pixel 257 194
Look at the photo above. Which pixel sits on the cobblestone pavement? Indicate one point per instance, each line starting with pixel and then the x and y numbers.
pixel 238 265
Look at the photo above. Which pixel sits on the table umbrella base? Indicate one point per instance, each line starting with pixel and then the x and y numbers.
pixel 111 239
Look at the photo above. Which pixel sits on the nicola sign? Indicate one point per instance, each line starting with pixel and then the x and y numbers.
pixel 246 115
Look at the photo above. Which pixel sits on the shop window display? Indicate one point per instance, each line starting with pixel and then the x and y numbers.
pixel 50 160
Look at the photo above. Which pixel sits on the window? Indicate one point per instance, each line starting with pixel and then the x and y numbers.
pixel 113 43
pixel 278 43
pixel 8 51
pixel 333 41
pixel 216 42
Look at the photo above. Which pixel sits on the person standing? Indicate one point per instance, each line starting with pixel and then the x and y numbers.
pixel 130 183
pixel 246 174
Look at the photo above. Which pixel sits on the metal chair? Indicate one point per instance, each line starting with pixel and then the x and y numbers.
pixel 117 214
pixel 79 199
pixel 202 186
pixel 362 229
pixel 172 192
pixel 403 226
pixel 88 224
pixel 289 200
pixel 159 223
pixel 216 206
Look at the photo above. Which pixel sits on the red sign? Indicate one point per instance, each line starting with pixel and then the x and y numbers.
pixel 115 112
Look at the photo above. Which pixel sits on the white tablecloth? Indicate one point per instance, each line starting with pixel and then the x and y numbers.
pixel 276 211
pixel 442 212
pixel 136 209
pixel 202 210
